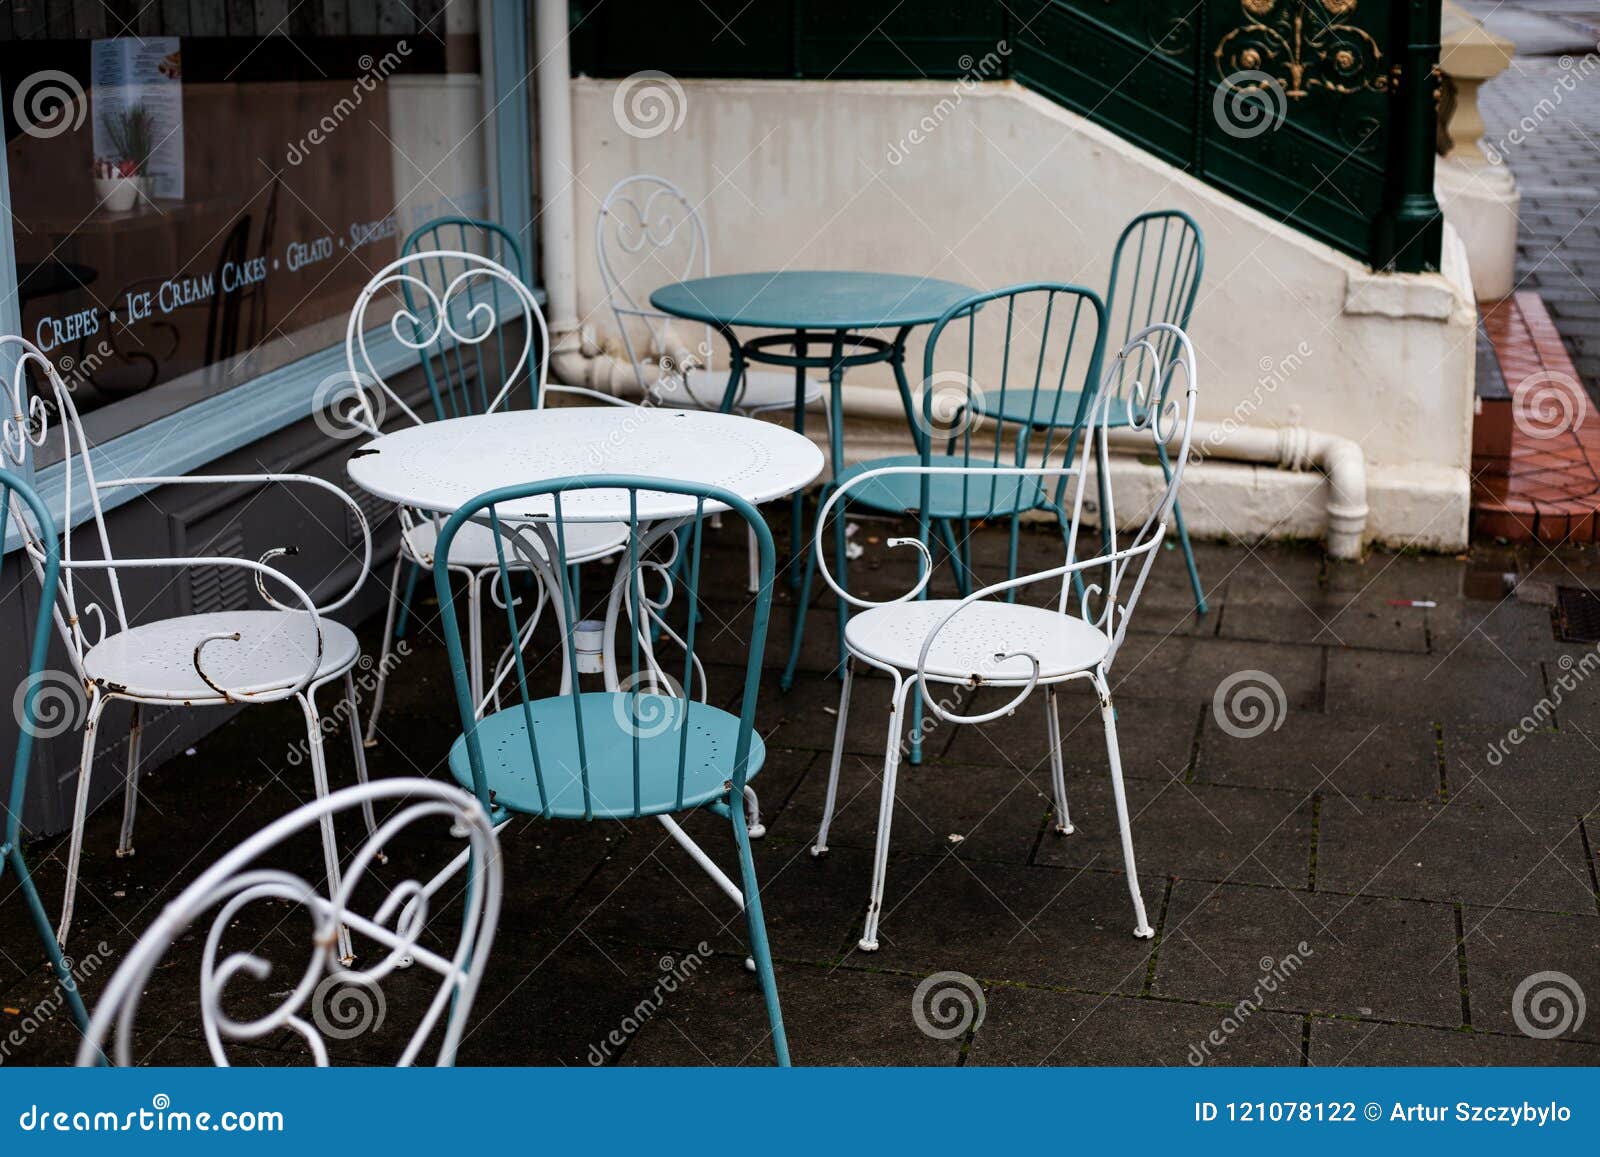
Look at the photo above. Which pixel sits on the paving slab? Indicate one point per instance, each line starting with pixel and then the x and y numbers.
pixel 1463 851
pixel 832 1017
pixel 1394 959
pixel 1194 831
pixel 1030 1026
pixel 1352 1044
pixel 1561 953
pixel 1331 754
pixel 1041 925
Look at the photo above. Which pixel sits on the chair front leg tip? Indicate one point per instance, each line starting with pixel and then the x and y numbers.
pixel 124 853
pixel 757 831
pixel 867 945
pixel 1145 932
pixel 370 742
pixel 749 963
pixel 1065 829
pixel 818 851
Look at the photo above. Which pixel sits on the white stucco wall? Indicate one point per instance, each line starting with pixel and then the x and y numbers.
pixel 1005 186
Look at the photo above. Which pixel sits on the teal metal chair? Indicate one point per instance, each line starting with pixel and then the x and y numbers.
pixel 646 745
pixel 1023 342
pixel 459 382
pixel 19 500
pixel 1155 277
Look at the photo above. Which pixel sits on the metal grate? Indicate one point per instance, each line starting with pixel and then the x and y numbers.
pixel 220 588
pixel 1578 615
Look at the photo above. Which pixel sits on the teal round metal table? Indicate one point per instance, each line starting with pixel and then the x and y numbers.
pixel 823 319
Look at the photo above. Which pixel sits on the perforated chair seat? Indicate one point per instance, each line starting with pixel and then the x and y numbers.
pixel 949 495
pixel 610 721
pixel 275 648
pixel 474 544
pixel 1063 644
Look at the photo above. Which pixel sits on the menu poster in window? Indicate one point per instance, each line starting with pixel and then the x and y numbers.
pixel 137 101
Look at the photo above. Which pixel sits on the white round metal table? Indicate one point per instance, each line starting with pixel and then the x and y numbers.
pixel 442 465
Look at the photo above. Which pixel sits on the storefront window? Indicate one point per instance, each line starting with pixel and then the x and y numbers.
pixel 199 191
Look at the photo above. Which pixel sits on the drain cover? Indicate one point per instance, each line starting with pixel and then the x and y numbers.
pixel 1578 614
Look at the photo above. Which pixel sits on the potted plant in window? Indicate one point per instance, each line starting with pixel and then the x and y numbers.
pixel 121 178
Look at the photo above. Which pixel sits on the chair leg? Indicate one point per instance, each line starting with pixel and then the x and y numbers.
pixel 360 751
pixel 753 555
pixel 1200 607
pixel 820 848
pixel 475 639
pixel 958 566
pixel 319 779
pixel 1108 716
pixel 130 796
pixel 760 952
pixel 802 603
pixel 880 855
pixel 405 599
pixel 1058 771
pixel 390 633
pixel 80 813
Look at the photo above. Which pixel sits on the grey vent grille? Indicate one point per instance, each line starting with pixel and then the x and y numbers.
pixel 220 588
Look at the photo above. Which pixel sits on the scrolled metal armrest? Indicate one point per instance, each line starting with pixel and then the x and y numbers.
pixel 262 479
pixel 261 570
pixel 925 565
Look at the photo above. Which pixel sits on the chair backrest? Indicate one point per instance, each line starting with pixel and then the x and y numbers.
pixel 1138 394
pixel 408 935
pixel 44 706
pixel 475 325
pixel 649 234
pixel 1030 350
pixel 42 409
pixel 1155 274
pixel 634 751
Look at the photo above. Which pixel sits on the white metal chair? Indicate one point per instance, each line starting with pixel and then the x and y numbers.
pixel 318 998
pixel 223 658
pixel 484 347
pixel 648 234
pixel 984 640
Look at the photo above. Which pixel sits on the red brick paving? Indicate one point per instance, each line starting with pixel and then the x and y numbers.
pixel 1533 480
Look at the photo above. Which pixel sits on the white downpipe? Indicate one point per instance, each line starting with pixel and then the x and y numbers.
pixel 578 359
pixel 1292 447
